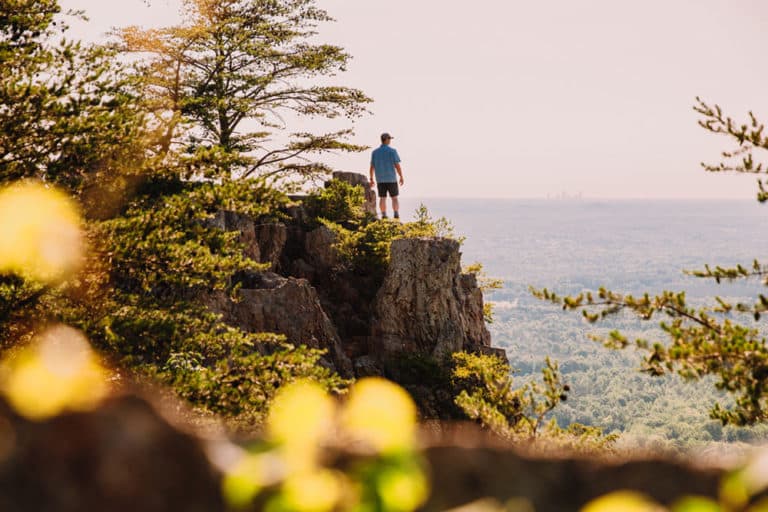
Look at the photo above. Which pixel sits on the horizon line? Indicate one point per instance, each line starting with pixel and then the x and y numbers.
pixel 583 198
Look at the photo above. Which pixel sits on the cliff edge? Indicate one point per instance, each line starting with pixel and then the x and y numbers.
pixel 423 307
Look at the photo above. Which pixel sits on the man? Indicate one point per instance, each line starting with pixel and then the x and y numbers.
pixel 384 162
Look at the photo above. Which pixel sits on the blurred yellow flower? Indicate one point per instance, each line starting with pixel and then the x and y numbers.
pixel 58 372
pixel 300 420
pixel 697 504
pixel 241 485
pixel 40 235
pixel 316 491
pixel 403 489
pixel 381 414
pixel 736 487
pixel 622 501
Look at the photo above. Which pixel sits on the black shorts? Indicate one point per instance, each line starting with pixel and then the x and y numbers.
pixel 390 188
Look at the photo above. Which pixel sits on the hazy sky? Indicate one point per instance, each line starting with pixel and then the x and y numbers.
pixel 512 98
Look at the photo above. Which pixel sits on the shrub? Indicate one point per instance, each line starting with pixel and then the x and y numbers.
pixel 238 382
pixel 367 248
pixel 484 392
pixel 338 202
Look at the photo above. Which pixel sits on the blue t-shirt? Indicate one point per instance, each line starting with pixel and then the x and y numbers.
pixel 383 161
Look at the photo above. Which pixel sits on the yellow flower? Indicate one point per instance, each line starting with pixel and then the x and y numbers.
pixel 59 372
pixel 403 489
pixel 622 501
pixel 381 414
pixel 40 235
pixel 241 485
pixel 300 420
pixel 316 491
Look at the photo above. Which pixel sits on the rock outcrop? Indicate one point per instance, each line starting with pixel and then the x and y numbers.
pixel 263 240
pixel 426 305
pixel 268 302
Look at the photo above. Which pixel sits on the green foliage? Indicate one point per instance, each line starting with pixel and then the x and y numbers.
pixel 748 136
pixel 68 113
pixel 165 257
pixel 71 116
pixel 171 240
pixel 367 248
pixel 238 379
pixel 485 394
pixel 660 414
pixel 426 226
pixel 68 117
pixel 485 284
pixel 337 202
pixel 703 341
pixel 238 63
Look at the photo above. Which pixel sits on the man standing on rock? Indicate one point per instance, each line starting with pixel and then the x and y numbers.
pixel 384 162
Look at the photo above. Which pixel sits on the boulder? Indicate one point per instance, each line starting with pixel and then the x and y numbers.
pixel 425 305
pixel 268 302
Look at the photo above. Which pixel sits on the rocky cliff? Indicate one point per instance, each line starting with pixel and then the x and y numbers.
pixel 424 307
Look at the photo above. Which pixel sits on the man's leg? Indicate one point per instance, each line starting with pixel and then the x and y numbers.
pixel 396 206
pixel 383 206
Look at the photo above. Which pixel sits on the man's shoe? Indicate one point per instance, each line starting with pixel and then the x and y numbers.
pixel 397 215
pixel 383 215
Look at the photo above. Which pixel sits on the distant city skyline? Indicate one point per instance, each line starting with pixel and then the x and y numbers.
pixel 530 99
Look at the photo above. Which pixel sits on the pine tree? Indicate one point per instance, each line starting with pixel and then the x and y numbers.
pixel 222 84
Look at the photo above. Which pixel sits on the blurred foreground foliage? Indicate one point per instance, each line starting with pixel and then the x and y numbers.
pixel 377 422
pixel 741 490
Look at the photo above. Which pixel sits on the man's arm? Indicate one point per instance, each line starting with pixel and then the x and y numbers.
pixel 400 173
pixel 371 172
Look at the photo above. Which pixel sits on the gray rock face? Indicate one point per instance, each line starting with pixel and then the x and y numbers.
pixel 270 238
pixel 272 303
pixel 354 178
pixel 367 366
pixel 426 305
pixel 264 242
pixel 231 221
pixel 319 249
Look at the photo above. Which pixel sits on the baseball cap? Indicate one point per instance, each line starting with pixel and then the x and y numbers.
pixel 386 136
